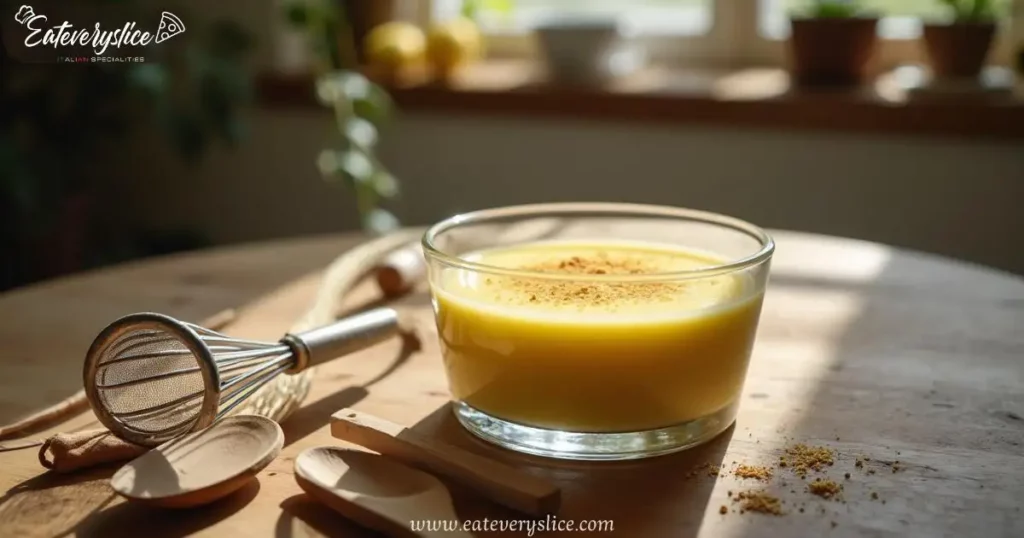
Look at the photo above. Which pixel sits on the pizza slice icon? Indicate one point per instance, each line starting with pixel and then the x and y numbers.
pixel 170 26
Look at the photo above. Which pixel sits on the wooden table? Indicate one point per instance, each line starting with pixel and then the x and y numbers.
pixel 872 351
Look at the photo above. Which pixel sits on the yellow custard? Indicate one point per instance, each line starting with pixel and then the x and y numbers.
pixel 586 352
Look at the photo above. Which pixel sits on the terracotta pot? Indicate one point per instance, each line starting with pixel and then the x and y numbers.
pixel 958 50
pixel 832 52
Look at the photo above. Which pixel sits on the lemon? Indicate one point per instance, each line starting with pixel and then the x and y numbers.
pixel 453 44
pixel 395 45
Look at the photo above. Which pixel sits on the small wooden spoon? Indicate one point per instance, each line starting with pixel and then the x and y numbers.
pixel 203 466
pixel 376 492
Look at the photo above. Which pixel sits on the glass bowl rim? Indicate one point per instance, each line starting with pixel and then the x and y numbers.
pixel 540 210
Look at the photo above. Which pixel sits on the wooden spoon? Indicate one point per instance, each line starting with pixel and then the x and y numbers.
pixel 376 492
pixel 203 466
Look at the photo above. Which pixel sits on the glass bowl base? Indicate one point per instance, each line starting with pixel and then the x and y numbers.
pixel 594 446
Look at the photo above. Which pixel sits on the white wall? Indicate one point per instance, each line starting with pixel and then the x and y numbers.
pixel 959 198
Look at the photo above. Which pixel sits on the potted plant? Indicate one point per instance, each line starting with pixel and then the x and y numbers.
pixel 958 49
pixel 832 43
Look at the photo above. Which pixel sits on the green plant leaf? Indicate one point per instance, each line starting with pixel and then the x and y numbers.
pixel 357 166
pixel 385 184
pixel 234 130
pixel 354 85
pixel 150 78
pixel 834 9
pixel 361 133
pixel 16 183
pixel 381 221
pixel 375 106
pixel 329 163
pixel 974 10
pixel 983 10
pixel 217 103
pixel 342 85
pixel 955 7
pixel 359 109
pixel 297 13
pixel 228 39
pixel 328 90
pixel 187 134
pixel 471 8
pixel 503 7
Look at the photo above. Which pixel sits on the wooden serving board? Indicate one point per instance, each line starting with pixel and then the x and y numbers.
pixel 871 351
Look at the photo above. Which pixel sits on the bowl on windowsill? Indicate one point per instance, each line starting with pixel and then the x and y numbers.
pixel 587 52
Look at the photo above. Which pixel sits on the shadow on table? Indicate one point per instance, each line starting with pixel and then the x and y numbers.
pixel 637 496
pixel 184 293
pixel 900 374
pixel 133 519
pixel 312 417
pixel 83 504
pixel 92 515
pixel 51 480
pixel 301 517
pixel 910 381
pixel 39 506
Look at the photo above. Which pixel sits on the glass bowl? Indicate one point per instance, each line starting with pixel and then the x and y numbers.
pixel 596 331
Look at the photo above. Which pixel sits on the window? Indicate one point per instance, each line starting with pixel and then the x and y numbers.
pixel 704 32
pixel 680 17
pixel 667 29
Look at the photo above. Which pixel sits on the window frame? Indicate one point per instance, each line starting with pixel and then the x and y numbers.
pixel 671 47
pixel 732 41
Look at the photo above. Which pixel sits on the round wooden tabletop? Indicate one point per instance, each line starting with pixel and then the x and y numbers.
pixel 909 367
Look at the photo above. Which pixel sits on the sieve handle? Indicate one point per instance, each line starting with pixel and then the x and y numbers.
pixel 349 335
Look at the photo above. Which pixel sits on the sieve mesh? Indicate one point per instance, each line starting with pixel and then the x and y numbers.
pixel 151 378
pixel 150 381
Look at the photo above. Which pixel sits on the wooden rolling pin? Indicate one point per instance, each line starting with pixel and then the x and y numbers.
pixel 400 270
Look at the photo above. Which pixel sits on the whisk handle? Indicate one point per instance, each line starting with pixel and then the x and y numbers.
pixel 341 338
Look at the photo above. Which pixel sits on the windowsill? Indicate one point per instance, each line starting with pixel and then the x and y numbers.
pixel 758 98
